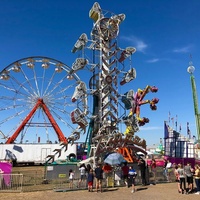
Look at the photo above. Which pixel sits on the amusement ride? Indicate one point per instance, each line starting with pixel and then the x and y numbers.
pixel 42 95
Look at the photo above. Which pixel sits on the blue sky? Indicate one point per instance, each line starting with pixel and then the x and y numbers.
pixel 165 34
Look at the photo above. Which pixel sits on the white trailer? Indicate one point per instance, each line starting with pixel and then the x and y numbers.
pixel 36 153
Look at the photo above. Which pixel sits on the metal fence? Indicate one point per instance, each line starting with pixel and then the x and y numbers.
pixel 11 182
pixel 35 180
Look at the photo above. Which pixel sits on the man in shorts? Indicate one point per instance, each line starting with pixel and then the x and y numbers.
pixel 189 177
pixel 99 177
pixel 125 170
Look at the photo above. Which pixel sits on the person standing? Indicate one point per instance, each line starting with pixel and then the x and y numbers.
pixel 90 179
pixel 99 177
pixel 82 170
pixel 71 178
pixel 125 170
pixel 118 175
pixel 197 178
pixel 107 169
pixel 88 168
pixel 1 177
pixel 165 168
pixel 131 176
pixel 142 167
pixel 189 176
pixel 181 173
pixel 169 170
pixel 177 178
pixel 153 169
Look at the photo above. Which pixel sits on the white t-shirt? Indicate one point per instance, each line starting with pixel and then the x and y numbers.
pixel 169 165
pixel 71 175
pixel 82 170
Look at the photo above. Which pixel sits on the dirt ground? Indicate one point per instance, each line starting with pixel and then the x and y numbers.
pixel 153 192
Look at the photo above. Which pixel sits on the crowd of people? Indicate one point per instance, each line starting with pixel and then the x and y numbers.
pixel 187 178
pixel 104 171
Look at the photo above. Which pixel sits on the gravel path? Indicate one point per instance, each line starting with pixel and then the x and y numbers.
pixel 151 192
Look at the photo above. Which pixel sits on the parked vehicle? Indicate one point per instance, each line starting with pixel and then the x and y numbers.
pixel 36 153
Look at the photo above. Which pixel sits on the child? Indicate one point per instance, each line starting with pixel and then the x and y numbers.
pixel 90 180
pixel 71 178
pixel 131 176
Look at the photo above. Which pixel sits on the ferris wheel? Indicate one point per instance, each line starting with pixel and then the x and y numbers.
pixel 35 100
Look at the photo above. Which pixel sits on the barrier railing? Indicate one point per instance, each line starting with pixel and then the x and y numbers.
pixel 11 182
pixel 29 181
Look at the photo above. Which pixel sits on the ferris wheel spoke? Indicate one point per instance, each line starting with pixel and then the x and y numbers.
pixel 61 110
pixel 29 83
pixel 67 104
pixel 61 119
pixel 8 88
pixel 23 133
pixel 11 117
pixel 62 104
pixel 64 98
pixel 43 79
pixel 49 83
pixel 36 82
pixel 20 85
pixel 66 88
pixel 11 107
pixel 46 128
pixel 11 99
pixel 56 86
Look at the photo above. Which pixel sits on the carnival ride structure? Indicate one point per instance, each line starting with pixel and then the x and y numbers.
pixel 41 94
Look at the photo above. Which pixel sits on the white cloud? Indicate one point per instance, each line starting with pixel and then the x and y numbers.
pixel 136 42
pixel 154 60
pixel 185 49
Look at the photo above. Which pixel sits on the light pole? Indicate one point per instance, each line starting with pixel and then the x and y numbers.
pixel 190 70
